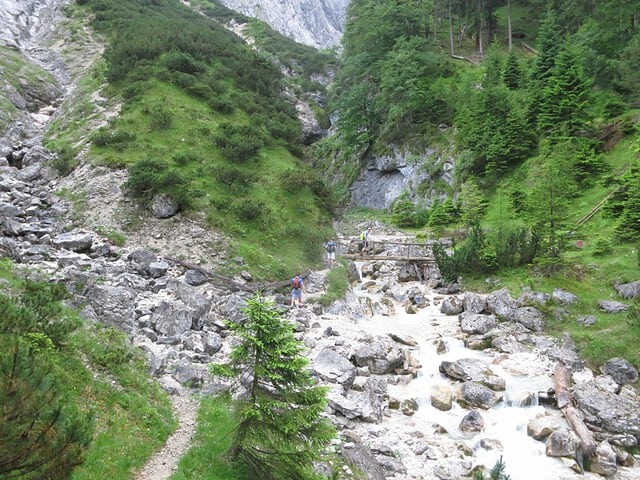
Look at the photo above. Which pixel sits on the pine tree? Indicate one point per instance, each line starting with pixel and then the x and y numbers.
pixel 403 211
pixel 281 430
pixel 549 41
pixel 547 204
pixel 44 434
pixel 629 226
pixel 473 203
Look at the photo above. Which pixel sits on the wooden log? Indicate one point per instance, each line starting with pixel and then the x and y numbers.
pixel 466 59
pixel 213 277
pixel 574 417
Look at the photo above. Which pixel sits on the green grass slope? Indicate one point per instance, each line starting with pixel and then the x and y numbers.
pixel 205 122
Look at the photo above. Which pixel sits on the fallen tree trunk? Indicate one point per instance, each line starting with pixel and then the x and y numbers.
pixel 572 414
pixel 214 278
pixel 466 59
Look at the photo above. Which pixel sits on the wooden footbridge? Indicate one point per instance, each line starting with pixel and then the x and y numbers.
pixel 418 254
pixel 388 250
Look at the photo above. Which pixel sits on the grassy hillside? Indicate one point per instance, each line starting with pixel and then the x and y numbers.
pixel 205 122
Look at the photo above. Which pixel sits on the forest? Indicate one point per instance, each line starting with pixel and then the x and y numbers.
pixel 532 96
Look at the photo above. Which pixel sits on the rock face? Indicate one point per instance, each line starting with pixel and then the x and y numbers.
pixel 386 177
pixel 318 23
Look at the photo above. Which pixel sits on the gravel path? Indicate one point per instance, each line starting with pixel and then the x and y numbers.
pixel 164 463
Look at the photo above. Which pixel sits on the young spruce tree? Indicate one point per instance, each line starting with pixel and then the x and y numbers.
pixel 281 430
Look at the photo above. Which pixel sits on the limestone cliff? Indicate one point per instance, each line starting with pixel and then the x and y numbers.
pixel 318 23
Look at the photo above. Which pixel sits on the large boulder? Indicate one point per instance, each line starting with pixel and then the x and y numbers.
pixel 113 306
pixel 628 290
pixel 475 370
pixel 604 409
pixel 500 303
pixel 530 317
pixel 475 395
pixel 621 370
pixel 382 356
pixel 476 323
pixel 332 367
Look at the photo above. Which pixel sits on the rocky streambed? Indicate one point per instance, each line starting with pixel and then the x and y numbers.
pixel 424 383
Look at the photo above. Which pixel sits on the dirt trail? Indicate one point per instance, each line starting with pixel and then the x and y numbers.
pixel 165 462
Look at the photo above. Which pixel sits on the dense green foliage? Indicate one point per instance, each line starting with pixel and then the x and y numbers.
pixel 45 430
pixel 535 120
pixel 281 431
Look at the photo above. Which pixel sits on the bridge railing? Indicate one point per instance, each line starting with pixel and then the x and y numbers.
pixel 385 249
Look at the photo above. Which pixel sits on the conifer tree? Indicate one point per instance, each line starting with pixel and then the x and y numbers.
pixel 281 430
pixel 629 226
pixel 473 203
pixel 512 75
pixel 549 41
pixel 553 186
pixel 564 101
pixel 403 211
pixel 43 433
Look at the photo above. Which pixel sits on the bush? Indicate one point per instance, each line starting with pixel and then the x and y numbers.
pixel 161 118
pixel 183 158
pixel 111 350
pixel 496 473
pixel 603 246
pixel 250 210
pixel 65 159
pixel 200 90
pixel 293 181
pixel 223 104
pixel 473 256
pixel 106 138
pixel 239 142
pixel 181 79
pixel 182 62
pixel 403 212
pixel 150 177
pixel 517 248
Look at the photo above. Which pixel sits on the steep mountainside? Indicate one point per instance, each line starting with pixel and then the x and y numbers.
pixel 318 23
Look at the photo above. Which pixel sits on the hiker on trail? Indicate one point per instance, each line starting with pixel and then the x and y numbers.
pixel 297 287
pixel 330 247
pixel 364 240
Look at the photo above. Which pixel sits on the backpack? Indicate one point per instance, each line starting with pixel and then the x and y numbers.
pixel 331 247
pixel 295 282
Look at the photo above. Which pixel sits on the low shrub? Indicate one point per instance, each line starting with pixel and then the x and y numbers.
pixel 150 177
pixel 239 142
pixel 223 104
pixel 104 137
